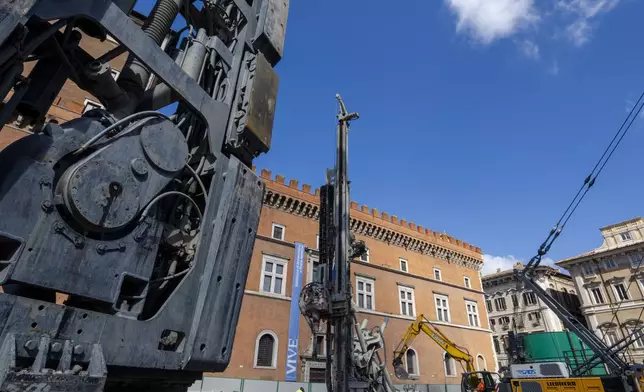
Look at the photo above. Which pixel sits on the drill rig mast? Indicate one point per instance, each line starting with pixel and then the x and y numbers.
pixel 341 294
pixel 353 361
pixel 144 220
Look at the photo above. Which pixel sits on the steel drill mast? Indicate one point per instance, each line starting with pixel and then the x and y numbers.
pixel 341 294
pixel 353 361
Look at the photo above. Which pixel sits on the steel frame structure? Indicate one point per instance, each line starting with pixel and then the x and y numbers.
pixel 200 316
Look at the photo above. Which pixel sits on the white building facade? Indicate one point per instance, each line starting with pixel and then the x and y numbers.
pixel 512 308
pixel 610 281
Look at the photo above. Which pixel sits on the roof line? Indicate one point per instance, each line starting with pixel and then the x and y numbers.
pixel 279 179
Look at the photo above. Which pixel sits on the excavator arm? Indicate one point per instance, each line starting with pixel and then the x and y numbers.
pixel 422 324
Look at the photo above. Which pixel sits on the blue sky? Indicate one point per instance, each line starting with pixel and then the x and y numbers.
pixel 480 118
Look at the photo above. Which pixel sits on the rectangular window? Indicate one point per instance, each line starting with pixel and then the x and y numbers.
pixel 626 236
pixel 609 264
pixel 500 304
pixel 365 256
pixel 472 313
pixel 636 260
pixel 638 334
pixel 505 320
pixel 515 301
pixel 407 306
pixel 610 338
pixel 317 241
pixel 488 305
pixel 403 265
pixel 278 232
pixel 365 293
pixel 620 291
pixel 442 308
pixel 320 345
pixel 597 295
pixel 467 282
pixel 589 269
pixel 317 375
pixel 318 270
pixel 437 274
pixel 273 275
pixel 90 105
pixel 529 299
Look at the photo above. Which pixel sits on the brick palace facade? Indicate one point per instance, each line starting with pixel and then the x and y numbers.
pixel 437 276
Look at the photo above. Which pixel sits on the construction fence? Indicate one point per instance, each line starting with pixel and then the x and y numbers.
pixel 220 384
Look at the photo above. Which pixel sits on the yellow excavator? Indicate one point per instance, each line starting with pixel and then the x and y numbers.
pixel 530 377
pixel 472 380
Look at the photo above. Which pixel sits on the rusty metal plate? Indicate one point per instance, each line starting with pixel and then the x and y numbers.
pixel 261 105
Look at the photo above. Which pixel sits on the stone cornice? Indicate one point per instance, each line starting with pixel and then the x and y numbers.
pixel 303 203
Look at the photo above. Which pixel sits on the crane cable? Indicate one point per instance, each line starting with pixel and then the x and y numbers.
pixel 589 181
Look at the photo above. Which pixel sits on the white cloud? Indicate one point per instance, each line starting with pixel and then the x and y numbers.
pixel 579 32
pixel 493 263
pixel 489 20
pixel 583 12
pixel 629 106
pixel 529 49
pixel 554 68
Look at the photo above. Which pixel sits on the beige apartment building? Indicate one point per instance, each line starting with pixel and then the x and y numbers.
pixel 610 281
pixel 511 307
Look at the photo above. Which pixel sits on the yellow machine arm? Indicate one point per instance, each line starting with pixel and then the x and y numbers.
pixel 422 324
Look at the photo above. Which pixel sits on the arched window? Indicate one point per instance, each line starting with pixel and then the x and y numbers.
pixel 480 362
pixel 266 350
pixel 411 359
pixel 450 365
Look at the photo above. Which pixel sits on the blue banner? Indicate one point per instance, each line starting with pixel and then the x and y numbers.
pixel 294 321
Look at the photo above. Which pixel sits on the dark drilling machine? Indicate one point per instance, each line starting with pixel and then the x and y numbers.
pixel 353 361
pixel 144 219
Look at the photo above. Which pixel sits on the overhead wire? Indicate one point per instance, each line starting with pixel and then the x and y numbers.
pixel 589 181
pixel 632 119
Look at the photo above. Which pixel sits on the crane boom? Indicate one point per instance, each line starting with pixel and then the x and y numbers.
pixel 422 324
pixel 613 361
